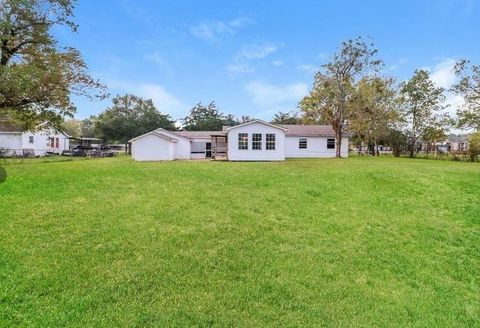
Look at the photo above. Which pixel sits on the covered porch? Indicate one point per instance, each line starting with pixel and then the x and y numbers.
pixel 219 147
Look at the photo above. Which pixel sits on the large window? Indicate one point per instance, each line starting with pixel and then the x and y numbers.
pixel 198 147
pixel 270 138
pixel 302 143
pixel 243 141
pixel 330 143
pixel 257 141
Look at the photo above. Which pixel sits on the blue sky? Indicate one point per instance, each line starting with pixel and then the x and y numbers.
pixel 258 57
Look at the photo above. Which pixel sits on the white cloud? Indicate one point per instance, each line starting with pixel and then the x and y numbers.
pixel 273 98
pixel 165 101
pixel 240 22
pixel 242 61
pixel 277 63
pixel 158 60
pixel 235 70
pixel 257 51
pixel 307 68
pixel 443 74
pixel 213 30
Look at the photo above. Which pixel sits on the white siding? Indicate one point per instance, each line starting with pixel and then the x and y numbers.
pixel 316 147
pixel 153 148
pixel 17 142
pixel 12 141
pixel 181 148
pixel 235 154
pixel 203 141
pixel 41 144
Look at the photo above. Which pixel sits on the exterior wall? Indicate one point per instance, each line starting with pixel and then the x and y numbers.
pixel 235 154
pixel 153 148
pixel 18 142
pixel 316 147
pixel 181 148
pixel 202 140
pixel 11 141
pixel 41 145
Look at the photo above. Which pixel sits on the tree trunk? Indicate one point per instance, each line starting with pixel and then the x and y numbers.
pixel 338 136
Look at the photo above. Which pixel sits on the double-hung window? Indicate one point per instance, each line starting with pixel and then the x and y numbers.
pixel 330 143
pixel 243 141
pixel 270 139
pixel 257 141
pixel 302 143
pixel 31 139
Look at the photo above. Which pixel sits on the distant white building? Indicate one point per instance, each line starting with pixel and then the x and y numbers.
pixel 252 141
pixel 14 142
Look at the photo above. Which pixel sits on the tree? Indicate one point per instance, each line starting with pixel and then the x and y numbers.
pixel 397 140
pixel 72 127
pixel 128 117
pixel 87 127
pixel 207 118
pixel 245 119
pixel 474 146
pixel 333 87
pixel 373 110
pixel 37 76
pixel 286 118
pixel 421 104
pixel 469 88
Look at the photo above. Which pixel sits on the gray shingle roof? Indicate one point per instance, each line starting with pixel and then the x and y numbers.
pixel 308 130
pixel 7 126
pixel 198 134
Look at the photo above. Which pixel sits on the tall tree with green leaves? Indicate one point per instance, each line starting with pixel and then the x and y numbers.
pixel 207 118
pixel 468 87
pixel 129 117
pixel 422 103
pixel 87 127
pixel 72 127
pixel 333 88
pixel 37 75
pixel 373 110
pixel 286 118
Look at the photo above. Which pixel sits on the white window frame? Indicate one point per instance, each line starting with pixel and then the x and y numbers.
pixel 270 143
pixel 256 141
pixel 302 141
pixel 329 140
pixel 243 141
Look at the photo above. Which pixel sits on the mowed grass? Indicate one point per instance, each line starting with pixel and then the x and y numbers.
pixel 354 242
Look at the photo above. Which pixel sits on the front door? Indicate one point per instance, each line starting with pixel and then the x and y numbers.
pixel 208 150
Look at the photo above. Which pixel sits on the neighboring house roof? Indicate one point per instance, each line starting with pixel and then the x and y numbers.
pixel 277 126
pixel 7 126
pixel 157 134
pixel 308 130
pixel 458 138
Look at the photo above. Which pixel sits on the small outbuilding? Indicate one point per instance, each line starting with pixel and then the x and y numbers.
pixel 153 146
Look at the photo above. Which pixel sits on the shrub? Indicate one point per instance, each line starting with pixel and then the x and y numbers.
pixel 474 146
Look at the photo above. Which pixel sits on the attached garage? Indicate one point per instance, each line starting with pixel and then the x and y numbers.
pixel 153 146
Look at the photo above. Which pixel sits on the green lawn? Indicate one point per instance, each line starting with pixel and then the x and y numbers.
pixel 358 242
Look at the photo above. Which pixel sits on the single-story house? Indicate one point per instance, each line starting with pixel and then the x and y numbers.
pixel 252 141
pixel 15 142
pixel 458 142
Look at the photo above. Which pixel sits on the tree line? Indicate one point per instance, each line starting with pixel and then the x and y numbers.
pixel 350 92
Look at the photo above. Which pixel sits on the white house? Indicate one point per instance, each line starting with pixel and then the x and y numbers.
pixel 14 142
pixel 252 141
